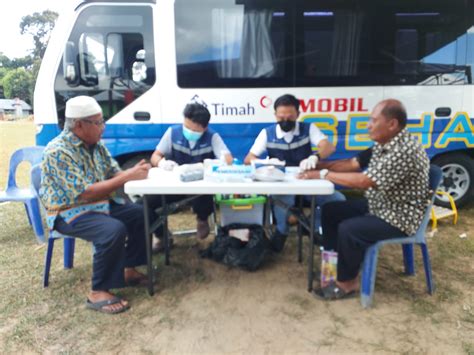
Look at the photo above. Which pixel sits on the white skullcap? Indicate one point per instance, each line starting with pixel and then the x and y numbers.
pixel 81 107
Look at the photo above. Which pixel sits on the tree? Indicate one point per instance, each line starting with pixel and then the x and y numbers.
pixel 3 72
pixel 7 63
pixel 39 26
pixel 18 83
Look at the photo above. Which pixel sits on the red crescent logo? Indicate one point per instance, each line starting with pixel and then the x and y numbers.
pixel 265 101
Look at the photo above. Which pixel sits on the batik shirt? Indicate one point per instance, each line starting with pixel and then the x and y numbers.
pixel 400 171
pixel 69 167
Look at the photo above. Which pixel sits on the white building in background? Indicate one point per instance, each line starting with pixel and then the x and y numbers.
pixel 15 107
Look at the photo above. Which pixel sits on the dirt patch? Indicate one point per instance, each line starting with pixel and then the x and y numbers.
pixel 204 307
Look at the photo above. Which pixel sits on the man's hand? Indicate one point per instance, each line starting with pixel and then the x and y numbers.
pixel 103 189
pixel 306 175
pixel 139 171
pixel 167 165
pixel 275 161
pixel 309 163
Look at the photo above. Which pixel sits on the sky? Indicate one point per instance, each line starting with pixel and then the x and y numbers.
pixel 12 43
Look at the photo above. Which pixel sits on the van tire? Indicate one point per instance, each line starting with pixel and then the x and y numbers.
pixel 458 178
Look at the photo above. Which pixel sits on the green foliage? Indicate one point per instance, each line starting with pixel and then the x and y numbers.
pixel 18 75
pixel 7 63
pixel 39 26
pixel 18 83
pixel 3 72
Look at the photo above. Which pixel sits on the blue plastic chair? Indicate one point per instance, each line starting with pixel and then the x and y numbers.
pixel 28 196
pixel 369 267
pixel 69 242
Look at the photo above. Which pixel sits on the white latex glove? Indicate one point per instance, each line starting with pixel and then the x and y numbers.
pixel 309 163
pixel 275 161
pixel 167 165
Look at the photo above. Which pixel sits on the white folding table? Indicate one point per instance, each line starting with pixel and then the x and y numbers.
pixel 163 183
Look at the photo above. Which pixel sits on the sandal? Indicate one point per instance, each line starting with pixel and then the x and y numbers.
pixel 333 292
pixel 100 306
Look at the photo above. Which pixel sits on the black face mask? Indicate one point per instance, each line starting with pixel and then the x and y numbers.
pixel 287 126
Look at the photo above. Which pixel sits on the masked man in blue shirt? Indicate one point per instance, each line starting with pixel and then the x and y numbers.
pixel 292 141
pixel 190 143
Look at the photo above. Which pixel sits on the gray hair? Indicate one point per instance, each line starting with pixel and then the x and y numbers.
pixel 70 123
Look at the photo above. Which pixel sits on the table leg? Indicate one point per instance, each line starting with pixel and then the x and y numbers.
pixel 300 230
pixel 266 216
pixel 148 240
pixel 311 244
pixel 166 236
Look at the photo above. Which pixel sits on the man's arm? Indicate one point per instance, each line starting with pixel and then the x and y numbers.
pixel 352 180
pixel 102 189
pixel 220 149
pixel 162 149
pixel 342 165
pixel 156 157
pixel 258 148
pixel 229 159
pixel 358 163
pixel 250 156
pixel 325 149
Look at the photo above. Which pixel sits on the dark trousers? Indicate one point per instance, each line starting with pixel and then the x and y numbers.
pixel 349 229
pixel 118 240
pixel 203 206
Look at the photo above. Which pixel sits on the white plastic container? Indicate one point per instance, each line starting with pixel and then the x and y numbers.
pixel 247 210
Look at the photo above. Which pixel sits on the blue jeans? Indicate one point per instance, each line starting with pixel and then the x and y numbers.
pixel 281 213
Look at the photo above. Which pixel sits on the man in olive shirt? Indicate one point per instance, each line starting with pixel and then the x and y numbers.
pixel 394 175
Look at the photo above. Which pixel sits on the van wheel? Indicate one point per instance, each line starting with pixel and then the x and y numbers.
pixel 458 178
pixel 129 163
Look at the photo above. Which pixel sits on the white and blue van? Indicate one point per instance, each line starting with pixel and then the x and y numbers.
pixel 144 60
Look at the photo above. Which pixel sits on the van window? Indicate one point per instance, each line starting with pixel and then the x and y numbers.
pixel 261 43
pixel 110 56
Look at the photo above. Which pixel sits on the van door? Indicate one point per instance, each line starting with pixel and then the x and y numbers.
pixel 109 55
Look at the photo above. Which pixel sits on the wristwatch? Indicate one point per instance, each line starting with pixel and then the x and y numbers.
pixel 323 173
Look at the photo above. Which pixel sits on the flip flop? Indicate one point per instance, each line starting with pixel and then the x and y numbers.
pixel 333 292
pixel 99 306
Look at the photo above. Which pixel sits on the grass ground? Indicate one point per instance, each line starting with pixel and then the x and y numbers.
pixel 208 308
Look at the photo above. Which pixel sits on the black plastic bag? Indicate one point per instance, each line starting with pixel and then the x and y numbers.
pixel 233 252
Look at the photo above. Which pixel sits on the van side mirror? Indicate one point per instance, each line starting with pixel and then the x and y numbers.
pixel 70 65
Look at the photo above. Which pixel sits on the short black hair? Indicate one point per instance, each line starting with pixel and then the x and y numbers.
pixel 197 113
pixel 287 100
pixel 394 109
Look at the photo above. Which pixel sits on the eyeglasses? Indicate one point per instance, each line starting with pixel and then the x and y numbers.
pixel 97 123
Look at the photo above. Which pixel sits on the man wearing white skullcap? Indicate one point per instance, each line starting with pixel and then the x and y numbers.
pixel 78 183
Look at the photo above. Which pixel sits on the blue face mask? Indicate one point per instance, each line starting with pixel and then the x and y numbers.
pixel 191 135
